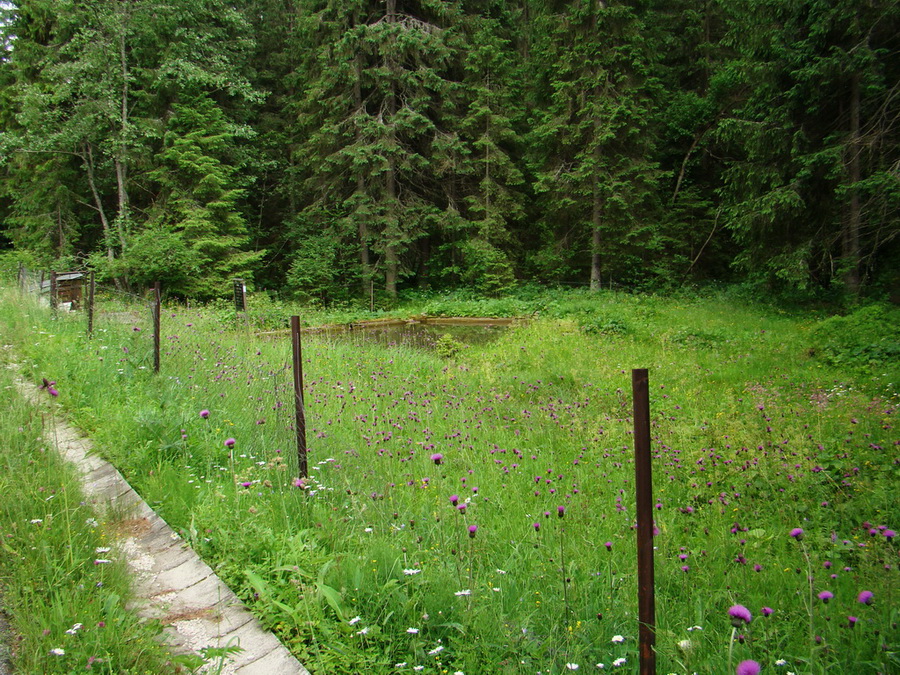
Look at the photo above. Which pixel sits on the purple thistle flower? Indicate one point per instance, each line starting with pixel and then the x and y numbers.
pixel 229 442
pixel 685 568
pixel 560 510
pixel 797 533
pixel 851 621
pixel 608 546
pixel 766 611
pixel 204 413
pixel 437 458
pixel 454 499
pixel 536 526
pixel 825 596
pixel 739 615
pixel 866 597
pixel 246 483
pixel 890 534
pixel 472 530
pixel 748 667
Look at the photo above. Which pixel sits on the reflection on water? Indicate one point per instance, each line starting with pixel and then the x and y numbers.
pixel 419 335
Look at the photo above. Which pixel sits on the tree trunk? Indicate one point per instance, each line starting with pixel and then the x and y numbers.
pixel 362 225
pixel 851 252
pixel 89 165
pixel 392 231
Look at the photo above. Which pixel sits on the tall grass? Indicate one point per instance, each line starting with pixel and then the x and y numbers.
pixel 372 563
pixel 63 589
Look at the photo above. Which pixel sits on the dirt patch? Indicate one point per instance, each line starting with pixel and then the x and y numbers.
pixel 133 527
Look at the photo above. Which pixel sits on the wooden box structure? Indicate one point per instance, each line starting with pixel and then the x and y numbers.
pixel 69 287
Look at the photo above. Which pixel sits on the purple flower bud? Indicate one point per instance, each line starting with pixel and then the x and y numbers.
pixel 229 442
pixel 472 530
pixel 536 526
pixel 560 510
pixel 454 499
pixel 866 597
pixel 825 596
pixel 204 413
pixel 766 611
pixel 797 533
pixel 437 458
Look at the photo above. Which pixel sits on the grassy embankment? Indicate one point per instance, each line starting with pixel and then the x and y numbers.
pixel 514 550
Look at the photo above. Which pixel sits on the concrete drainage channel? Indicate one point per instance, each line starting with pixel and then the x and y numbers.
pixel 172 584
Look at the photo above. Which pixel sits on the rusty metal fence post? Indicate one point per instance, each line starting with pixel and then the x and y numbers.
pixel 299 412
pixel 644 489
pixel 156 326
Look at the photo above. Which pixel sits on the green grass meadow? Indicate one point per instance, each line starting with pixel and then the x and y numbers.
pixel 470 508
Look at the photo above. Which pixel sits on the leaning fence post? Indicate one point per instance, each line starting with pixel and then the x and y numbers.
pixel 90 307
pixel 644 489
pixel 156 326
pixel 299 413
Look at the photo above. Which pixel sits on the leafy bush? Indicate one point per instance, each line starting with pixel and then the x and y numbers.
pixel 867 339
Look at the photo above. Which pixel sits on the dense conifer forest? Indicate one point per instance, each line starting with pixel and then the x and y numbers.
pixel 332 149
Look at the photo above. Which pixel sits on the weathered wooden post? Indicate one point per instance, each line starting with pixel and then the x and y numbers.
pixel 299 412
pixel 157 307
pixel 54 292
pixel 90 306
pixel 240 295
pixel 644 489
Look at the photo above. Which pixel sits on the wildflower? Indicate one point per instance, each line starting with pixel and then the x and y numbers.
pixel 92 522
pixel 363 631
pixel 463 592
pixel 851 620
pixel 204 413
pixel 436 650
pixel 412 631
pixel 437 458
pixel 781 662
pixel 229 442
pixel 536 526
pixel 246 483
pixel 618 639
pixel 411 572
pixel 58 651
pixel 355 620
pixel 619 661
pixel 560 510
pixel 797 533
pixel 766 611
pixel 748 668
pixel 472 530
pixel 866 597
pixel 37 521
pixel 890 534
pixel 685 645
pixel 572 666
pixel 102 561
pixel 825 596
pixel 693 628
pixel 299 483
pixel 608 546
pixel 454 499
pixel 739 615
